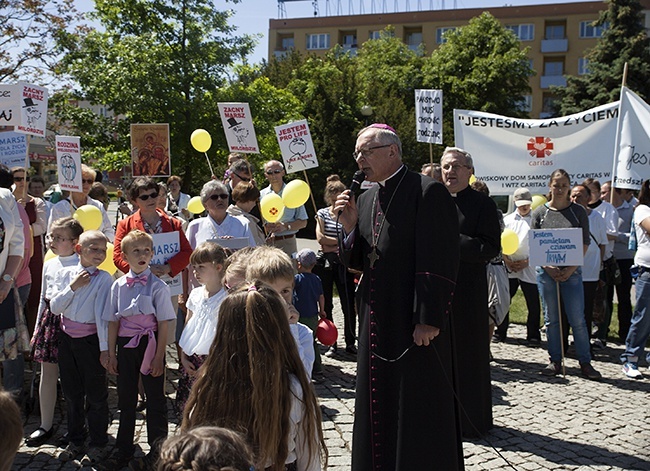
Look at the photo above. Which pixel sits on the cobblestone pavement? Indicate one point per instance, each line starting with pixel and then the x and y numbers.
pixel 540 423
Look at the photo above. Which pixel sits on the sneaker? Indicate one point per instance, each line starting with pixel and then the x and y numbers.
pixel 331 351
pixel 599 344
pixel 94 455
pixel 631 370
pixel 498 338
pixel 70 452
pixel 589 372
pixel 552 369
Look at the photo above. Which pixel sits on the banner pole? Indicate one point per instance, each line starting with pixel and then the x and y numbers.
pixel 311 193
pixel 27 140
pixel 559 315
pixel 431 156
pixel 617 137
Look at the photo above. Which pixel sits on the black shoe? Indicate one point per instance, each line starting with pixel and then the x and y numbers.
pixel 117 460
pixel 351 349
pixel 589 372
pixel 498 338
pixel 39 436
pixel 534 342
pixel 141 405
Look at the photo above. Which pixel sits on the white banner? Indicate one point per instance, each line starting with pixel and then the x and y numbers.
pixel 165 246
pixel 68 162
pixel 633 153
pixel 13 149
pixel 238 125
pixel 556 247
pixel 9 107
pixel 33 109
pixel 512 152
pixel 296 145
pixel 428 116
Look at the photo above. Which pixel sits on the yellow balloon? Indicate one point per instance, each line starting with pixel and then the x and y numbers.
pixel 472 179
pixel 295 194
pixel 89 216
pixel 538 200
pixel 509 242
pixel 195 206
pixel 201 140
pixel 108 265
pixel 49 255
pixel 272 207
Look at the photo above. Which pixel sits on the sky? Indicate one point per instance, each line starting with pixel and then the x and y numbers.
pixel 252 16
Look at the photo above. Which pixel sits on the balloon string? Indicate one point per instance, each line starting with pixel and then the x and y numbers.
pixel 209 164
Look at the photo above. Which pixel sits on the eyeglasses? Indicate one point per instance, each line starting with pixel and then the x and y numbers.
pixel 223 196
pixel 56 239
pixel 21 179
pixel 455 167
pixel 365 153
pixel 276 171
pixel 244 179
pixel 153 195
pixel 88 181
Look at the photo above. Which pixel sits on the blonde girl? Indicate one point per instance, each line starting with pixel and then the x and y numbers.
pixel 253 382
pixel 201 322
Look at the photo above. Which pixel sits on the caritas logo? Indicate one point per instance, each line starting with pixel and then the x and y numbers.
pixel 540 147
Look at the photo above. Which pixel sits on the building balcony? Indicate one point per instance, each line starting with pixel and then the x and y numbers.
pixel 280 53
pixel 547 81
pixel 555 45
pixel 350 50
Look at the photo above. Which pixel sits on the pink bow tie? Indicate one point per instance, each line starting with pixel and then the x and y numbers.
pixel 95 273
pixel 130 282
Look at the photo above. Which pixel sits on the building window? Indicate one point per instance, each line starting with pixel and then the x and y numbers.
pixel 555 30
pixel 374 35
pixel 548 103
pixel 525 32
pixel 413 38
pixel 554 67
pixel 441 31
pixel 583 66
pixel 287 43
pixel 526 103
pixel 588 29
pixel 318 41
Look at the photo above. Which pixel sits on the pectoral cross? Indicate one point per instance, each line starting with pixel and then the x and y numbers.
pixel 373 257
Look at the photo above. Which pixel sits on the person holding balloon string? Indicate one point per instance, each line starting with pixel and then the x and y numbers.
pixel 78 199
pixel 282 226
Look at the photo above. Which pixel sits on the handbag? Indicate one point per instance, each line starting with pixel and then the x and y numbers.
pixel 611 273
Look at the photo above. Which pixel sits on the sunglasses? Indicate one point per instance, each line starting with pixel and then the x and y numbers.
pixel 272 172
pixel 21 179
pixel 244 179
pixel 223 196
pixel 88 181
pixel 153 195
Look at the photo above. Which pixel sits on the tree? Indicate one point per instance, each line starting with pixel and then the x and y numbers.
pixel 480 67
pixel 624 40
pixel 27 32
pixel 157 61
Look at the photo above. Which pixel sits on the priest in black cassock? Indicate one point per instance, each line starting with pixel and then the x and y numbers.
pixel 403 234
pixel 480 241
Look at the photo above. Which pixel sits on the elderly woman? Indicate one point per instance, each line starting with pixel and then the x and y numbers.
pixel 69 205
pixel 246 195
pixel 218 224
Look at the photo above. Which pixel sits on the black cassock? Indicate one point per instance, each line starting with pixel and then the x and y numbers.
pixel 405 415
pixel 480 241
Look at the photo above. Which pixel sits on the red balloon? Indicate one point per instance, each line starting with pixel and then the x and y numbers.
pixel 326 332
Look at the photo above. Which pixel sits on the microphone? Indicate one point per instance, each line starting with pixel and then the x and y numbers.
pixel 357 180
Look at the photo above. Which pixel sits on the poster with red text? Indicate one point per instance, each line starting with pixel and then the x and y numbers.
pixel 238 127
pixel 33 109
pixel 296 145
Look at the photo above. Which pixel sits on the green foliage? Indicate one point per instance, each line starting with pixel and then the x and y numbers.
pixel 480 67
pixel 624 40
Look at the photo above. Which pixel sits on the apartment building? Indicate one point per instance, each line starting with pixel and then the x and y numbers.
pixel 557 35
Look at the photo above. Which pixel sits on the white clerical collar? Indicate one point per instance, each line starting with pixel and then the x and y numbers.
pixel 383 182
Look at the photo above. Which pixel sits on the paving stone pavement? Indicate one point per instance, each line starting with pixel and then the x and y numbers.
pixel 540 423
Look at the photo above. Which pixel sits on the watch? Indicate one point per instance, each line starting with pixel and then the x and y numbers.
pixel 7 277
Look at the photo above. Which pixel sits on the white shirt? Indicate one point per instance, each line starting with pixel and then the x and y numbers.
pixel 642 256
pixel 199 332
pixel 304 338
pixel 296 442
pixel 51 284
pixel 63 209
pixel 592 261
pixel 86 304
pixel 610 215
pixel 520 225
pixel 202 229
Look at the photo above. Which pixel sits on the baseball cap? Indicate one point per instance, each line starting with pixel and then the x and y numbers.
pixel 522 196
pixel 306 257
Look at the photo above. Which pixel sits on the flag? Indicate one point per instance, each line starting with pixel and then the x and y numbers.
pixel 633 152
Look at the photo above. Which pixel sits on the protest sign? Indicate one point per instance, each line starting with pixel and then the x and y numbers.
pixel 9 106
pixel 633 151
pixel 165 246
pixel 150 150
pixel 428 116
pixel 556 247
pixel 238 126
pixel 68 162
pixel 512 152
pixel 296 145
pixel 33 109
pixel 13 149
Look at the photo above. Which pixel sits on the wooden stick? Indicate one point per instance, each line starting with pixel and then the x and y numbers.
pixel 559 315
pixel 311 193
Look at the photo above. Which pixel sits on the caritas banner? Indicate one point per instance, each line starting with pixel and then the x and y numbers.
pixel 633 153
pixel 68 162
pixel 296 145
pixel 238 126
pixel 512 152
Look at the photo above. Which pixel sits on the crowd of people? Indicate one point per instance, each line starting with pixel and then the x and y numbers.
pixel 242 306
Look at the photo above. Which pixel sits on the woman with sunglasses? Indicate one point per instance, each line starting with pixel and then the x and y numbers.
pixel 66 207
pixel 152 220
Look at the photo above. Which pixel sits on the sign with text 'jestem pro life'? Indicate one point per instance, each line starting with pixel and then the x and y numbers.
pixel 556 247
